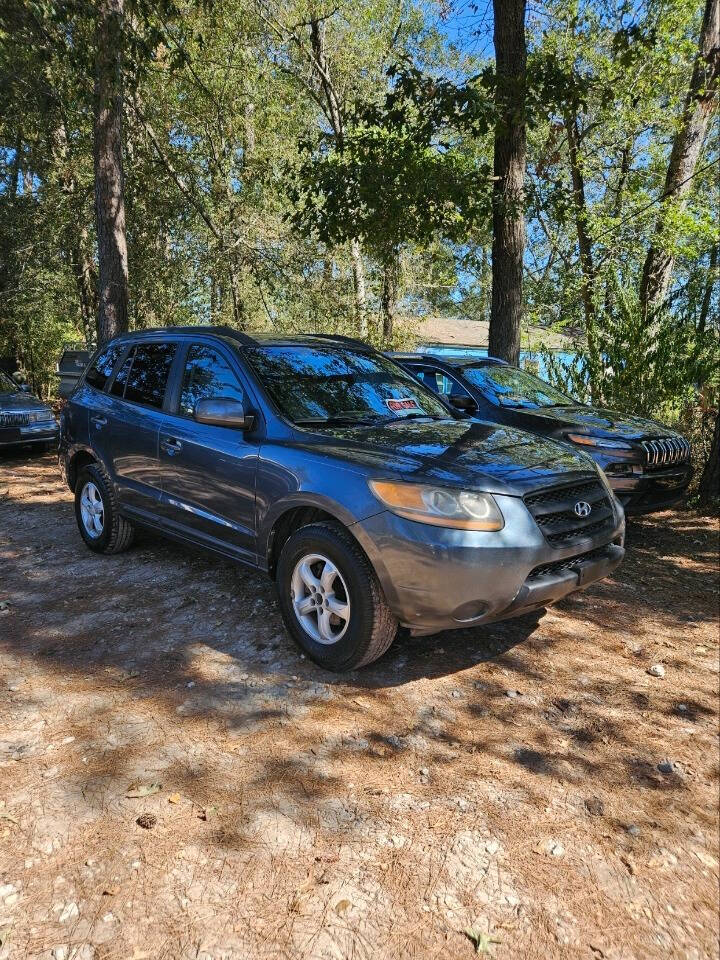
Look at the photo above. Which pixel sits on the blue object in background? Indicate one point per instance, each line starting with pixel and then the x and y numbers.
pixel 527 357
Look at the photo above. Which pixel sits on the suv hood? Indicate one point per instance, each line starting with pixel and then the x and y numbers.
pixel 457 453
pixel 594 420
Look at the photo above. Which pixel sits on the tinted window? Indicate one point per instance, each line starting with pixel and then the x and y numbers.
pixel 143 377
pixel 511 387
pixel 315 384
pixel 206 376
pixel 426 377
pixel 440 383
pixel 99 372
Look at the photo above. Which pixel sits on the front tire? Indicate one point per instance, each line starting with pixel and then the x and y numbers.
pixel 98 519
pixel 331 600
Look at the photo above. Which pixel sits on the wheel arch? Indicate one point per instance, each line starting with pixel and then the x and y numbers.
pixel 283 526
pixel 75 463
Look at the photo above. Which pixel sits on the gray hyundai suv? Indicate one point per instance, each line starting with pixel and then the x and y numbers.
pixel 327 466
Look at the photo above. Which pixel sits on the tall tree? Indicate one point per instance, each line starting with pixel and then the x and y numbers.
pixel 506 310
pixel 109 178
pixel 687 144
pixel 334 113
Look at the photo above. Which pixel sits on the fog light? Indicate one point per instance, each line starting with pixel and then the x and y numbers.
pixel 467 612
pixel 623 469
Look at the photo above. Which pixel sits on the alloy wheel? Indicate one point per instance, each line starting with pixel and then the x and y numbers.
pixel 92 510
pixel 320 598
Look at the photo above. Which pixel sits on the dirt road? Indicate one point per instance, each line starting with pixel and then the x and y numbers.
pixel 530 782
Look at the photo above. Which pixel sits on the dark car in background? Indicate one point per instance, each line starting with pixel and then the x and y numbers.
pixel 648 465
pixel 319 461
pixel 23 418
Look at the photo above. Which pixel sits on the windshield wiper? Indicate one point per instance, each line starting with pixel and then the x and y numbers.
pixel 412 416
pixel 334 422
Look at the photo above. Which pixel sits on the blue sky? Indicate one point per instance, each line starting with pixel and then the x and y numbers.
pixel 468 24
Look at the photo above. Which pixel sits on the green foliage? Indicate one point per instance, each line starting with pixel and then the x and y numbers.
pixel 653 371
pixel 391 186
pixel 240 203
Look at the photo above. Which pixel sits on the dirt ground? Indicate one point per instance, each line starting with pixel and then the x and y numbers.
pixel 529 782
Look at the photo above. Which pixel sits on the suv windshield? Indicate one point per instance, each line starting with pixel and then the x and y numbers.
pixel 312 385
pixel 7 385
pixel 512 387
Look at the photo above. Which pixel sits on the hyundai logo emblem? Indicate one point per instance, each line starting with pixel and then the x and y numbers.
pixel 582 508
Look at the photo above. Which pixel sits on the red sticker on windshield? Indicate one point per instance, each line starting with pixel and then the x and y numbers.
pixel 407 404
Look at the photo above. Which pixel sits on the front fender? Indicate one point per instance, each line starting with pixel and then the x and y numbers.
pixel 301 498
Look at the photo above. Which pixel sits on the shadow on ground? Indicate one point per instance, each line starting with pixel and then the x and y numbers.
pixel 200 645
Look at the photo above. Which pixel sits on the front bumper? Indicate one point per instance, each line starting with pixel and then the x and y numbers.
pixel 44 431
pixel 644 490
pixel 436 578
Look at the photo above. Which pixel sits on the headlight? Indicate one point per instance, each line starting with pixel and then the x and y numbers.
pixel 599 442
pixel 443 507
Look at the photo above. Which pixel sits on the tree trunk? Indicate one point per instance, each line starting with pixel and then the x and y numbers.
pixel 587 265
pixel 215 299
pixel 86 283
pixel 320 67
pixel 710 480
pixel 334 115
pixel 77 234
pixel 112 317
pixel 249 132
pixel 237 301
pixel 699 105
pixel 709 286
pixel 616 211
pixel 358 268
pixel 391 281
pixel 506 308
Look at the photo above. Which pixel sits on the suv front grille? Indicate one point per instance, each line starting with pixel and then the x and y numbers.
pixel 558 566
pixel 665 451
pixel 22 419
pixel 554 512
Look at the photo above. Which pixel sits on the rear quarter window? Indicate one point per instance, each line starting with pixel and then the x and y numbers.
pixel 144 375
pixel 99 372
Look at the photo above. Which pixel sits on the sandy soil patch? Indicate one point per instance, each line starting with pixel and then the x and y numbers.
pixel 530 781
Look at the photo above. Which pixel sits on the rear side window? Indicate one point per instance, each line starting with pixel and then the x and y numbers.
pixel 444 385
pixel 144 375
pixel 206 375
pixel 428 378
pixel 97 375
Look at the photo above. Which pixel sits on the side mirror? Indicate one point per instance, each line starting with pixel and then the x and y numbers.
pixel 223 413
pixel 25 388
pixel 461 402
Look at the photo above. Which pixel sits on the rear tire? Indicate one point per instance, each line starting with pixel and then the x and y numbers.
pixel 98 519
pixel 343 621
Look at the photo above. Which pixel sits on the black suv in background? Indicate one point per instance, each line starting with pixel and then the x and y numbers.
pixel 328 466
pixel 648 465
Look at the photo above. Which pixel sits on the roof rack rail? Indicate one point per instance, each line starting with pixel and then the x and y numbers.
pixel 340 338
pixel 196 330
pixel 225 331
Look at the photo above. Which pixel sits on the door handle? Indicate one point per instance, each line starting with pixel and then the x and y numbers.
pixel 170 445
pixel 99 421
